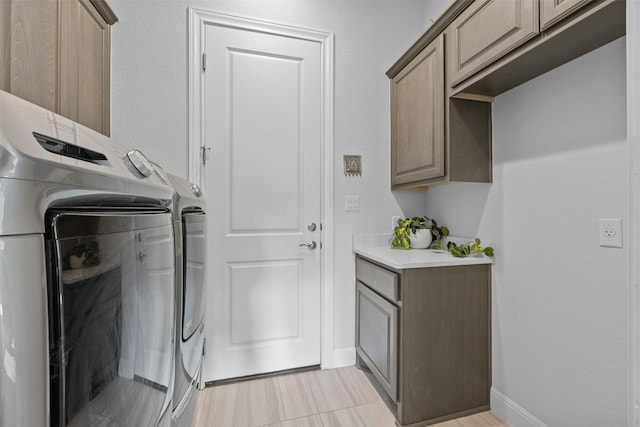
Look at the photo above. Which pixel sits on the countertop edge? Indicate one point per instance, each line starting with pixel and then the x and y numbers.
pixel 373 248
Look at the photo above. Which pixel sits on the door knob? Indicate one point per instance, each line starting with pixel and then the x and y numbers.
pixel 311 245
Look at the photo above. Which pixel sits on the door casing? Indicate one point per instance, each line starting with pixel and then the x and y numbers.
pixel 198 19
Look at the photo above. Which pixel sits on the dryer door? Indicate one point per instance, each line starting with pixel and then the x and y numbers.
pixel 111 302
pixel 194 256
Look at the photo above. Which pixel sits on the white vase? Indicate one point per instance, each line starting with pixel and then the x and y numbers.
pixel 421 239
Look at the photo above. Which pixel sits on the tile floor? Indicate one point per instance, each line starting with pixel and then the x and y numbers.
pixel 323 398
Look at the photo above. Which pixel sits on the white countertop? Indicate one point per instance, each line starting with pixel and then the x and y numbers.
pixel 376 247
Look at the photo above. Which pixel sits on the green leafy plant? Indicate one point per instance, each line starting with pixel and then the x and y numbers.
pixel 469 249
pixel 438 233
pixel 406 226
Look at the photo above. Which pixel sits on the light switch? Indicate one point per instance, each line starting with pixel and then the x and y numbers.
pixel 352 203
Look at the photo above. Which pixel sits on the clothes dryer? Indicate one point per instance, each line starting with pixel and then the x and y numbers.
pixel 86 276
pixel 190 231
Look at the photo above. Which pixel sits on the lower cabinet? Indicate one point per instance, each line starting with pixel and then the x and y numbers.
pixel 425 334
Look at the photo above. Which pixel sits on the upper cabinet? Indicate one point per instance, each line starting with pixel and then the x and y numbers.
pixel 487 30
pixel 515 41
pixel 435 139
pixel 417 117
pixel 56 53
pixel 441 124
pixel 552 11
pixel 29 35
pixel 85 65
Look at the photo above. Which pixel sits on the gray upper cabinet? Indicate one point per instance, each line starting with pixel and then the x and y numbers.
pixel 552 11
pixel 85 65
pixel 28 42
pixel 436 140
pixel 417 118
pixel 487 30
pixel 56 54
pixel 441 124
pixel 496 45
pixel 5 34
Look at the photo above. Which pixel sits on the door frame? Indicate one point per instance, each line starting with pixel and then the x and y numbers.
pixel 633 142
pixel 198 20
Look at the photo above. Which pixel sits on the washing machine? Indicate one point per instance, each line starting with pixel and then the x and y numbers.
pixel 87 275
pixel 190 238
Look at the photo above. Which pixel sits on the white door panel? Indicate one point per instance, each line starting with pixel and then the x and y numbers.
pixel 262 95
pixel 264 126
pixel 259 314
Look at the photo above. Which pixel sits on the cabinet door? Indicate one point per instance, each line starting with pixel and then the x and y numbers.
pixel 376 337
pixel 5 38
pixel 56 54
pixel 487 30
pixel 417 118
pixel 552 11
pixel 85 40
pixel 28 35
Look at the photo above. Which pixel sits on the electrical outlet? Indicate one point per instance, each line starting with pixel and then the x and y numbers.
pixel 611 232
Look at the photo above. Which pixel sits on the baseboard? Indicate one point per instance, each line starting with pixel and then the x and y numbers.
pixel 344 357
pixel 511 412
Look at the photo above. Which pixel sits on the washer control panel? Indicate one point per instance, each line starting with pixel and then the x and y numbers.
pixel 140 162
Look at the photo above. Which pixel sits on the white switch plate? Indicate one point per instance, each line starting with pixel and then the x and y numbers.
pixel 352 203
pixel 611 232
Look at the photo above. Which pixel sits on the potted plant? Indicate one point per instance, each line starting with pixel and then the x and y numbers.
pixel 417 233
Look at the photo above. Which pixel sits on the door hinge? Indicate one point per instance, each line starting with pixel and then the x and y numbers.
pixel 204 152
pixel 204 61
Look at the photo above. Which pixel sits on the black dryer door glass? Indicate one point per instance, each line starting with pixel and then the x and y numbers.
pixel 111 300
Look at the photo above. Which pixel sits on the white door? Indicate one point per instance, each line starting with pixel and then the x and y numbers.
pixel 262 121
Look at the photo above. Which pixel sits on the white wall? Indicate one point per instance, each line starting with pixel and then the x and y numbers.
pixel 560 309
pixel 433 9
pixel 560 306
pixel 150 89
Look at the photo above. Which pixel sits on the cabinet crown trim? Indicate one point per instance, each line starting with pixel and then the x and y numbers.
pixel 431 34
pixel 105 11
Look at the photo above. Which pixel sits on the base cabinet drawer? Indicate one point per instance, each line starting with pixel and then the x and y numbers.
pixel 382 281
